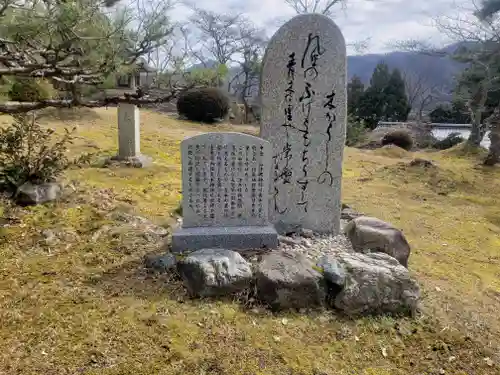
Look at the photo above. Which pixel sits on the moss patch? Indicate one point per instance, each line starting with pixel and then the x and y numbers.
pixel 76 299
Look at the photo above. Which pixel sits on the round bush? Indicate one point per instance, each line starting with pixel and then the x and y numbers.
pixel 451 140
pixel 400 138
pixel 204 105
pixel 31 90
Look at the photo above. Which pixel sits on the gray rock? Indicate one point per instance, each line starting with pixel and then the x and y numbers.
pixel 161 263
pixel 307 233
pixel 289 240
pixel 30 194
pixel 138 161
pixel 332 270
pixel 287 229
pixel 288 280
pixel 349 214
pixel 376 284
pixel 369 233
pixel 214 272
pixel 305 242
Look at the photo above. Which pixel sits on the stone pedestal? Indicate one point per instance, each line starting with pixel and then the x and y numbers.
pixel 129 138
pixel 234 238
pixel 225 193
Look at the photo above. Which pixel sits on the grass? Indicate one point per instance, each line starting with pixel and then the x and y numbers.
pixel 79 301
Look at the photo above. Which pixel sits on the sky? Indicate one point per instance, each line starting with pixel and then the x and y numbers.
pixel 380 22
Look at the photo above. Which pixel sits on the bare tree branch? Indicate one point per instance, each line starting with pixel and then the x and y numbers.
pixel 314 6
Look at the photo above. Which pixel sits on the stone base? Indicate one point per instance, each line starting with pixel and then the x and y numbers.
pixel 139 161
pixel 233 238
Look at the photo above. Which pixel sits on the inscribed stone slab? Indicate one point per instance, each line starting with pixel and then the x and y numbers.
pixel 225 180
pixel 128 130
pixel 304 104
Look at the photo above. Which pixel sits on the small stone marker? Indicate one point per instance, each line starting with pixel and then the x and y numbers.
pixel 225 187
pixel 129 149
pixel 304 104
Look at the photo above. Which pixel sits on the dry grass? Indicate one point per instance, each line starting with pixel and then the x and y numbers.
pixel 82 304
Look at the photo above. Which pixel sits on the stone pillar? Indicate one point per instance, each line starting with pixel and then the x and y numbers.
pixel 129 138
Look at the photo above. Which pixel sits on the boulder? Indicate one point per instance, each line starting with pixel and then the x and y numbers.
pixel 332 270
pixel 31 194
pixel 160 263
pixel 372 234
pixel 288 280
pixel 375 284
pixel 214 272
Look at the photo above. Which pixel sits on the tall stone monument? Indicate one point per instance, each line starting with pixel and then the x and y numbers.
pixel 304 103
pixel 129 137
pixel 225 193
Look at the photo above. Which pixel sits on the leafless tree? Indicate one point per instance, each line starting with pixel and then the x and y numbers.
pixel 420 90
pixel 218 35
pixel 325 7
pixel 252 43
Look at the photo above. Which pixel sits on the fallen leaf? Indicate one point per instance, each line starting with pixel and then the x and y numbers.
pixel 276 338
pixel 284 321
pixel 452 358
pixel 356 338
pixel 488 361
pixel 438 289
pixel 384 352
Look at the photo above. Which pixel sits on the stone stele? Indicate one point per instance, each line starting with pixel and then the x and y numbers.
pixel 225 188
pixel 304 104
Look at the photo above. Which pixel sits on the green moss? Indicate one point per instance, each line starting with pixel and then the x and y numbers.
pixel 85 303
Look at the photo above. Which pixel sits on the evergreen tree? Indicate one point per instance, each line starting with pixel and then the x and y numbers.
pixel 385 98
pixel 397 108
pixel 355 90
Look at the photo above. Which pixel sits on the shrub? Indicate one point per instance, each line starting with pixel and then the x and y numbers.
pixel 356 132
pixel 204 105
pixel 451 140
pixel 400 138
pixel 29 153
pixel 31 90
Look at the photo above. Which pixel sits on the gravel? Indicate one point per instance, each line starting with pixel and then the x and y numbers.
pixel 319 245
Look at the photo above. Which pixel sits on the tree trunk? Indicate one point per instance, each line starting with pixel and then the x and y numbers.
pixel 476 107
pixel 494 152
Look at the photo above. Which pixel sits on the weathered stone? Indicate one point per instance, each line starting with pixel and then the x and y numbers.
pixel 214 272
pixel 289 240
pixel 375 284
pixel 238 238
pixel 225 186
pixel 304 104
pixel 139 161
pixel 287 229
pixel 349 214
pixel 369 233
pixel 161 263
pixel 288 280
pixel 31 194
pixel 129 139
pixel 307 233
pixel 332 270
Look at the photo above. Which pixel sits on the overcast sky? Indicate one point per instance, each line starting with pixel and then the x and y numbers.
pixel 382 21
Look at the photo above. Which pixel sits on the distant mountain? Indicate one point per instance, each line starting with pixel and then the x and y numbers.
pixel 440 71
pixel 437 70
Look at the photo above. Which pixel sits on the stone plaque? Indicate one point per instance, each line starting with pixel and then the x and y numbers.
pixel 304 104
pixel 225 188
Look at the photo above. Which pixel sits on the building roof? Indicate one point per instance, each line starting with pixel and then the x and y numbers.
pixel 143 65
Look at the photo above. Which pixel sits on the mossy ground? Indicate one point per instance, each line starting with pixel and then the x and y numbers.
pixel 85 305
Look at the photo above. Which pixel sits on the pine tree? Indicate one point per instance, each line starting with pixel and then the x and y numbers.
pixel 397 108
pixel 355 90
